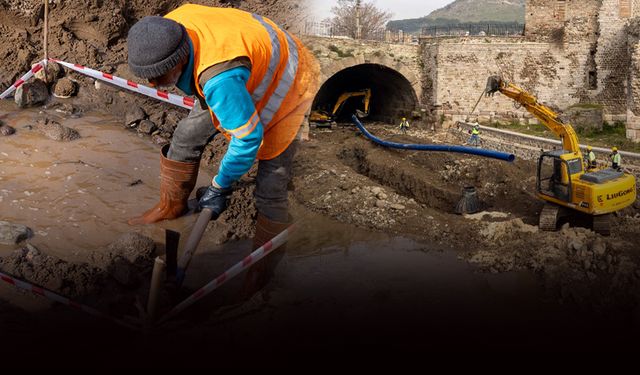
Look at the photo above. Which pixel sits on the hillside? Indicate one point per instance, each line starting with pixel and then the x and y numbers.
pixel 465 11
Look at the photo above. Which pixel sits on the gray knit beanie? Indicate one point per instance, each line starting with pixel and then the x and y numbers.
pixel 156 45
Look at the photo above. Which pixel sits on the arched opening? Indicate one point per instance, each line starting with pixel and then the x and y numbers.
pixel 392 95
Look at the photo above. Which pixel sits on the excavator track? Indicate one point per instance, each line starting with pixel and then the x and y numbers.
pixel 602 224
pixel 549 218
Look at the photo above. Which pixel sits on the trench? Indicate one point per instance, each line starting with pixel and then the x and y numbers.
pixel 392 95
pixel 407 180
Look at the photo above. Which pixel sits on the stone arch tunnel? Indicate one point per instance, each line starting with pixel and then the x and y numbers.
pixel 392 95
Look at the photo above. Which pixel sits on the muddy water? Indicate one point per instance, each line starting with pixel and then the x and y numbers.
pixel 77 196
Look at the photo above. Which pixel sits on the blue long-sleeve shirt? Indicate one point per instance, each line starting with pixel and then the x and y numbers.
pixel 227 96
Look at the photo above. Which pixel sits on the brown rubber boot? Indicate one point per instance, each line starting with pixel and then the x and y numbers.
pixel 177 180
pixel 260 273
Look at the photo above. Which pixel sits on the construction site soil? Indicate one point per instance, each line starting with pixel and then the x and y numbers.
pixel 379 256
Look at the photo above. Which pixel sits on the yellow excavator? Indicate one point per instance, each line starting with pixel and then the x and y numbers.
pixel 320 118
pixel 562 181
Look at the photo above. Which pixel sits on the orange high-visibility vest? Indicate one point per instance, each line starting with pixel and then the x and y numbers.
pixel 283 73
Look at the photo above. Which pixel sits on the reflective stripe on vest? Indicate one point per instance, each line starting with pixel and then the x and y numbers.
pixel 616 158
pixel 286 80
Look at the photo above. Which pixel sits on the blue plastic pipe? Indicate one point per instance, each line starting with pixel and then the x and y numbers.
pixel 444 148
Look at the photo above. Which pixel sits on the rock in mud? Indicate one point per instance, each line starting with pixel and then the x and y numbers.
pixel 65 88
pixel 6 130
pixel 70 279
pixel 599 247
pixel 132 247
pixel 56 131
pixel 11 234
pixel 53 72
pixel 31 94
pixel 146 127
pixel 134 116
pixel 159 140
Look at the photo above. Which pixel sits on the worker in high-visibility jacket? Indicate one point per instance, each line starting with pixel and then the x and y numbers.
pixel 475 135
pixel 404 125
pixel 591 158
pixel 616 159
pixel 255 83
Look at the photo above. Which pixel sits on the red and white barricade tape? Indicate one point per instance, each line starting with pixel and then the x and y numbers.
pixel 247 262
pixel 178 100
pixel 181 101
pixel 34 69
pixel 60 299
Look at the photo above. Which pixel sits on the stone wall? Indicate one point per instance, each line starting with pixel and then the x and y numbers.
pixel 573 52
pixel 459 68
pixel 633 84
pixel 612 58
pixel 335 54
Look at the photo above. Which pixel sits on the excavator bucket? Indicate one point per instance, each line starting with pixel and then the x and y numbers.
pixel 493 85
pixel 361 114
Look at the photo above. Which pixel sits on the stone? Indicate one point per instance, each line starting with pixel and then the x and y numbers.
pixel 6 130
pixel 381 195
pixel 159 140
pixel 65 88
pixel 53 71
pixel 381 204
pixel 31 94
pixel 585 117
pixel 576 245
pixel 56 131
pixel 11 234
pixel 146 127
pixel 599 247
pixel 134 116
pixel 397 206
pixel 376 190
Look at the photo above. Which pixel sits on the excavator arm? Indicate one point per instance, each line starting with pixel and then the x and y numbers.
pixel 366 93
pixel 546 115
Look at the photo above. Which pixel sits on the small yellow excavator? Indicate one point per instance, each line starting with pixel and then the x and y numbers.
pixel 562 181
pixel 320 118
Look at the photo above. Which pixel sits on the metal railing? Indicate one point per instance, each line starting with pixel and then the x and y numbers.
pixel 474 29
pixel 329 30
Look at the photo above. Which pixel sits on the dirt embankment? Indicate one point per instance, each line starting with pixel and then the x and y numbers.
pixel 93 33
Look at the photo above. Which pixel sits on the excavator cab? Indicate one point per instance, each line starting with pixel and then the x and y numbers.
pixel 555 171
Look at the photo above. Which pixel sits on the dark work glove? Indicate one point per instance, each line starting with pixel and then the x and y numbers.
pixel 215 199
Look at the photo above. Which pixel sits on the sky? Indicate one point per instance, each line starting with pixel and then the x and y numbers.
pixel 401 9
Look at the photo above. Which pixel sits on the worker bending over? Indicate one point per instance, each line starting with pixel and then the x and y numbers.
pixel 255 83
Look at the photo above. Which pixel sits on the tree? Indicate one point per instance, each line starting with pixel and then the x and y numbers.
pixel 358 19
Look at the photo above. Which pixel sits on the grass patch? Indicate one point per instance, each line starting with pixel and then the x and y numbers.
pixel 587 106
pixel 341 53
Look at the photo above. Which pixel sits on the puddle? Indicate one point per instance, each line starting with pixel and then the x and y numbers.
pixel 77 196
